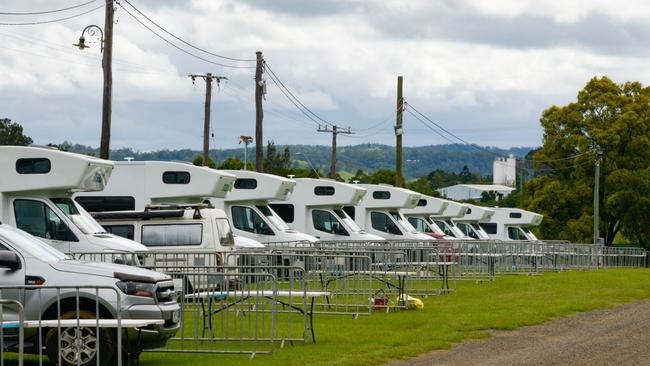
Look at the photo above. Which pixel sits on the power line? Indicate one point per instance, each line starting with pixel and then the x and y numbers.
pixel 179 48
pixel 429 127
pixel 55 20
pixel 48 11
pixel 185 42
pixel 278 81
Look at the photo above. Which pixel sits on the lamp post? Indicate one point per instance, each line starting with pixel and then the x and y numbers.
pixel 246 140
pixel 599 159
pixel 106 38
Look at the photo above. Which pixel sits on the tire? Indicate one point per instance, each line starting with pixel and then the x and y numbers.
pixel 89 341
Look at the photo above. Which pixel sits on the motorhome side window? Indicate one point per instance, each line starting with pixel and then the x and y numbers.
pixel 33 166
pixel 106 203
pixel 245 183
pixel 467 230
pixel 176 177
pixel 514 233
pixel 382 222
pixel 125 231
pixel 285 211
pixel 225 232
pixel 489 227
pixel 245 218
pixel 515 215
pixel 40 220
pixel 381 195
pixel 324 191
pixel 422 202
pixel 172 234
pixel 325 221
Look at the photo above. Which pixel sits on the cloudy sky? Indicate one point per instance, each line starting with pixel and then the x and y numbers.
pixel 483 69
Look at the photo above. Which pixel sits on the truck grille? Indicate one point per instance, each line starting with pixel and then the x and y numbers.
pixel 165 292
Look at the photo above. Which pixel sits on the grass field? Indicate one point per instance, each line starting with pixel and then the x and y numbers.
pixel 507 303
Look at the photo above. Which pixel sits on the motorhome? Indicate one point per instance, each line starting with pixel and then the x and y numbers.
pixel 316 207
pixel 420 216
pixel 247 207
pixel 469 223
pixel 511 224
pixel 160 205
pixel 36 187
pixel 444 221
pixel 380 212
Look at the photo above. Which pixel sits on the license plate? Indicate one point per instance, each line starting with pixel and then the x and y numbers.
pixel 175 316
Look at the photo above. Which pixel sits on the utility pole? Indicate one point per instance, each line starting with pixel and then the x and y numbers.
pixel 107 61
pixel 335 131
pixel 260 89
pixel 399 130
pixel 598 161
pixel 206 123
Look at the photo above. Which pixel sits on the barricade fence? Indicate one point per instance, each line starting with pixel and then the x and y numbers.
pixel 71 325
pixel 12 329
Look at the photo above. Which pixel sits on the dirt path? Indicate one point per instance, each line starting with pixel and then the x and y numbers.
pixel 618 336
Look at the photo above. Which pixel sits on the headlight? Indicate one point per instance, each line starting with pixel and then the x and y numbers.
pixel 142 289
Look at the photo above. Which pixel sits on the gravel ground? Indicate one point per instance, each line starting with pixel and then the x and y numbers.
pixel 617 336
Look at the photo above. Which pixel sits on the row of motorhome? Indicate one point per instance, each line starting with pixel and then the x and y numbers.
pixel 174 206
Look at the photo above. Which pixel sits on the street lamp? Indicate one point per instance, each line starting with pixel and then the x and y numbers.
pixel 246 140
pixel 93 30
pixel 106 39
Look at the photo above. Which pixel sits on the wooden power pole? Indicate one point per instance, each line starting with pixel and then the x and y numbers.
pixel 335 131
pixel 259 114
pixel 399 131
pixel 107 61
pixel 206 122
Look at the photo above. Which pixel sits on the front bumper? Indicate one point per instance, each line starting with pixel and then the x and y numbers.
pixel 153 336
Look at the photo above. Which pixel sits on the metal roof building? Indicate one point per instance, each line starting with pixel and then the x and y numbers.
pixel 460 192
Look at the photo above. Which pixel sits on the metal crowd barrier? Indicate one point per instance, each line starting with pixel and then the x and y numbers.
pixel 8 330
pixel 67 321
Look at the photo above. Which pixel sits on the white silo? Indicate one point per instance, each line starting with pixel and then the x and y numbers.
pixel 504 171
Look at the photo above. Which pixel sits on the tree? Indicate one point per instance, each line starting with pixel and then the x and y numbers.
pixel 11 133
pixel 234 163
pixel 386 176
pixel 360 176
pixel 275 162
pixel 198 160
pixel 608 116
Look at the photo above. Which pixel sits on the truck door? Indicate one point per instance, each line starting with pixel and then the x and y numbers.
pixel 12 273
pixel 39 219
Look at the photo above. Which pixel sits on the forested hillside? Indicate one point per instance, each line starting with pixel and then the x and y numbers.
pixel 418 161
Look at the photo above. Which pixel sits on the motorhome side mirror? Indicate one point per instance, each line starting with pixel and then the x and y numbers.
pixel 9 260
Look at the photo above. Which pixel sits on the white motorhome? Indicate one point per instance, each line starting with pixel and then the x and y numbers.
pixel 454 210
pixel 469 223
pixel 36 186
pixel 380 212
pixel 512 224
pixel 159 204
pixel 247 207
pixel 420 216
pixel 316 207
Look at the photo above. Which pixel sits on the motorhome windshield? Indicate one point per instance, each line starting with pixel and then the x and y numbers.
pixel 78 216
pixel 404 223
pixel 246 219
pixel 446 229
pixel 516 233
pixel 33 246
pixel 382 222
pixel 467 230
pixel 273 218
pixel 420 225
pixel 347 220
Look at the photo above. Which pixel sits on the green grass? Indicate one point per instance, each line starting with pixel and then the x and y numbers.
pixel 507 303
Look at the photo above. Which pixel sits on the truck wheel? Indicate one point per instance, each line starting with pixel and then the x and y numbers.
pixel 78 346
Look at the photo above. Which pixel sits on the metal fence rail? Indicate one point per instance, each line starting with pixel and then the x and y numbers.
pixel 70 322
pixel 12 335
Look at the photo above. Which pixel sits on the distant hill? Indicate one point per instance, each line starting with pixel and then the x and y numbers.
pixel 418 161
